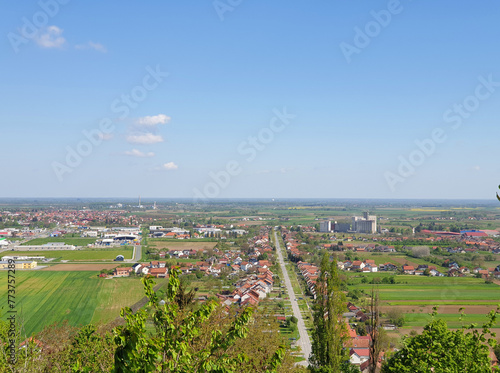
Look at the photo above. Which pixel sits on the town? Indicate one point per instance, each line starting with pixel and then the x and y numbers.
pixel 239 262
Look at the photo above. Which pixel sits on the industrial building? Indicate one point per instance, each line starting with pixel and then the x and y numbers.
pixel 325 226
pixel 4 264
pixel 365 224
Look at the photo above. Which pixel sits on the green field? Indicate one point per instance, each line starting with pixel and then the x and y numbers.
pixel 411 294
pixel 78 255
pixel 436 291
pixel 395 258
pixel 43 298
pixel 68 241
pixel 453 320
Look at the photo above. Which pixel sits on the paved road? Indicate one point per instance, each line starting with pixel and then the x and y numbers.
pixel 304 341
pixel 137 253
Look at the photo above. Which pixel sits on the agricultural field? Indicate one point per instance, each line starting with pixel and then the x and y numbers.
pixel 78 255
pixel 76 241
pixel 398 259
pixel 43 298
pixel 80 267
pixel 416 295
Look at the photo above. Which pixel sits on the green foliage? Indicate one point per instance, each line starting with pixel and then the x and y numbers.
pixel 496 350
pixel 396 317
pixel 361 329
pixel 263 256
pixel 171 347
pixel 440 350
pixel 389 280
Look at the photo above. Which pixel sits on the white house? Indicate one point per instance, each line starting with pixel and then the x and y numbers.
pixel 359 355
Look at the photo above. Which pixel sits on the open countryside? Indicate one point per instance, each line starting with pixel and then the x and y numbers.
pixel 80 255
pixel 77 297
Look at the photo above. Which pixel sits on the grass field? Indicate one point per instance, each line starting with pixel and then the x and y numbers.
pixel 439 292
pixel 68 241
pixel 453 319
pixel 78 255
pixel 80 267
pixel 43 298
pixel 162 244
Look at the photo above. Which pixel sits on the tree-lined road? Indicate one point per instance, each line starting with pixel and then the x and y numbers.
pixel 304 341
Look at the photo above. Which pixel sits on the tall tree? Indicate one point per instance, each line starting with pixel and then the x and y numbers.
pixel 330 331
pixel 374 331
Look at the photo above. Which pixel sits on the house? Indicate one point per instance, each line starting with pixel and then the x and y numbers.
pixel 124 271
pixel 358 342
pixel 435 272
pixel 388 267
pixel 464 270
pixel 347 264
pixel 409 270
pixel 359 355
pixel 370 268
pixel 158 272
pixel 357 265
pixel 264 264
pixel 245 266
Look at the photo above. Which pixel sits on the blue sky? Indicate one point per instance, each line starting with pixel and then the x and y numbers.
pixel 352 118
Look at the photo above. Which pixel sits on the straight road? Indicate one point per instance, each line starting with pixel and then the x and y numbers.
pixel 136 254
pixel 304 341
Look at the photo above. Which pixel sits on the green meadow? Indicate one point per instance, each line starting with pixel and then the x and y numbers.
pixel 454 320
pixel 43 298
pixel 76 241
pixel 78 255
pixel 443 292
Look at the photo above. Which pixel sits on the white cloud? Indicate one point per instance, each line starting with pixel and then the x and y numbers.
pixel 50 37
pixel 91 45
pixel 154 120
pixel 169 166
pixel 138 153
pixel 144 138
